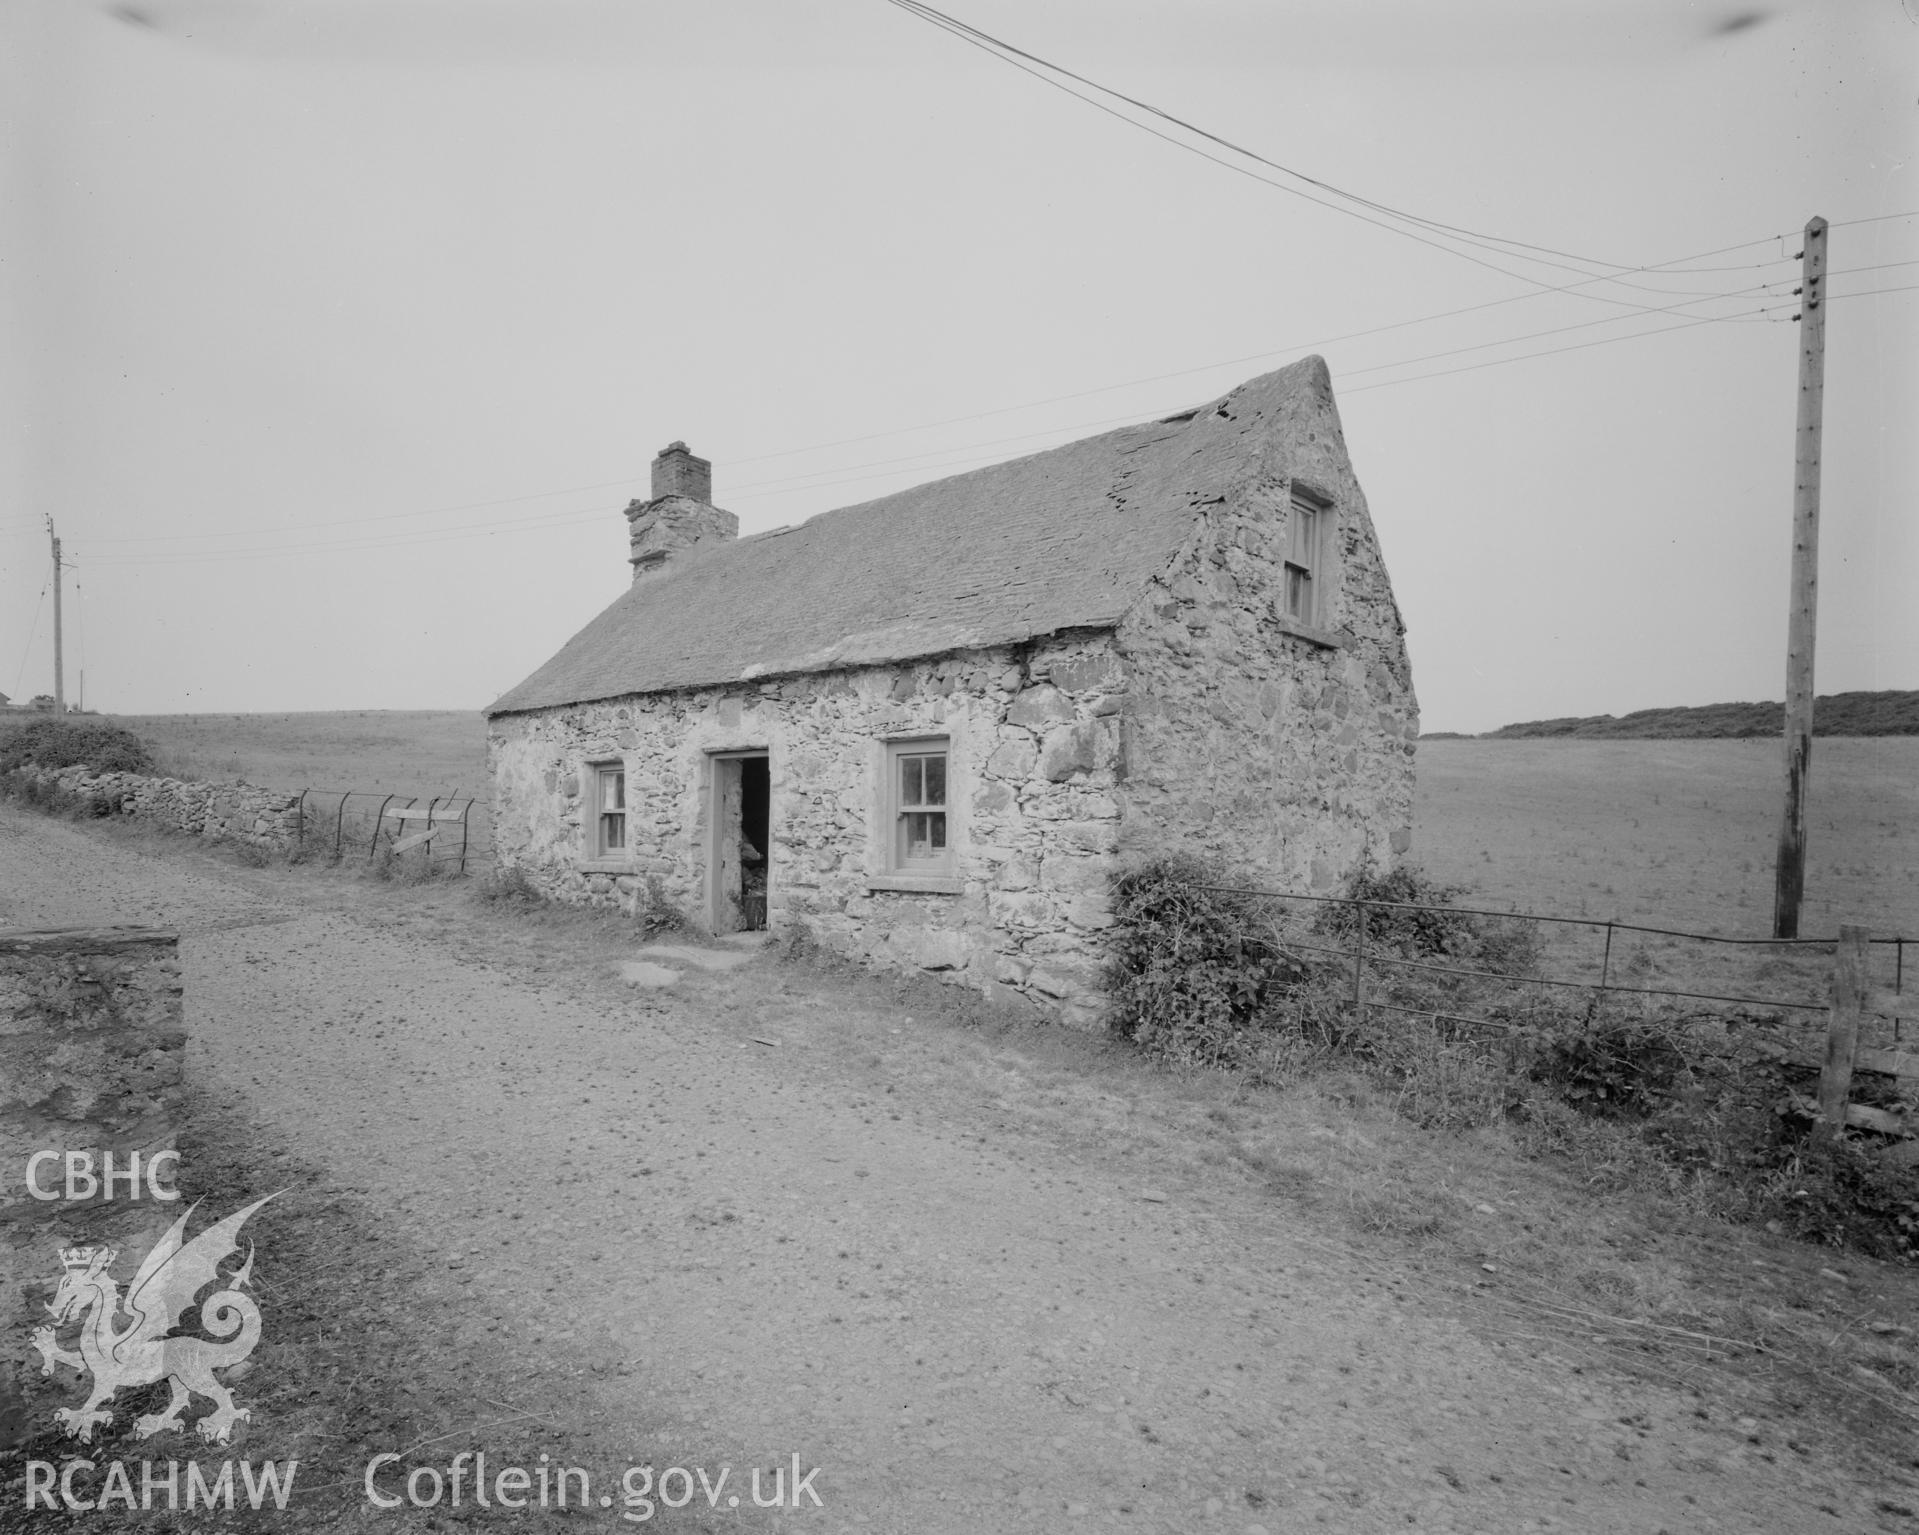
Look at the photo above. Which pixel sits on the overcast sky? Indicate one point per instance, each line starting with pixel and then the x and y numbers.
pixel 338 334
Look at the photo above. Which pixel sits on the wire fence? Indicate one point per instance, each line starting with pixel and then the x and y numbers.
pixel 446 833
pixel 1613 964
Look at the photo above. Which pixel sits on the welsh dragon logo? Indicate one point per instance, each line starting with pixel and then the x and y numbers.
pixel 147 1348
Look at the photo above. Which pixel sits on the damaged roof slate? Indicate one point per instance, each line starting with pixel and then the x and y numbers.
pixel 1063 539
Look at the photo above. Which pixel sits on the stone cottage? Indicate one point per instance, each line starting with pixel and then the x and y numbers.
pixel 926 729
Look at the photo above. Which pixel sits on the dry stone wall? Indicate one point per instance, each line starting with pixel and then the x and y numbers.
pixel 1034 742
pixel 1283 753
pixel 91 1042
pixel 91 1062
pixel 232 812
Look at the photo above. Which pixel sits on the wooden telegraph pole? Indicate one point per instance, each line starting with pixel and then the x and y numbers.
pixel 1790 882
pixel 59 674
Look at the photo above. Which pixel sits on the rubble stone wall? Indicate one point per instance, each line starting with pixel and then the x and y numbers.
pixel 1282 752
pixel 91 1044
pixel 91 1061
pixel 1034 818
pixel 233 812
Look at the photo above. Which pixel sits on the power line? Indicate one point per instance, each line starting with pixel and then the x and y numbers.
pixel 1873 292
pixel 1579 346
pixel 524 520
pixel 343 522
pixel 174 539
pixel 1848 271
pixel 400 540
pixel 967 460
pixel 1011 55
pixel 961 457
pixel 27 654
pixel 80 594
pixel 957 459
pixel 1293 348
pixel 1032 64
pixel 953 457
pixel 795 481
pixel 1910 213
pixel 1554 331
pixel 1447 314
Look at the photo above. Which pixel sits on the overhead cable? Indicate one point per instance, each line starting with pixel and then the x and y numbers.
pixel 1032 64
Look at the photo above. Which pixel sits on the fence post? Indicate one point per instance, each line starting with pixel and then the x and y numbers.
pixel 1842 1031
pixel 339 820
pixel 379 818
pixel 1605 963
pixel 1359 960
pixel 463 815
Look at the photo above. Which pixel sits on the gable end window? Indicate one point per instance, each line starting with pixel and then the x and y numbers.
pixel 609 817
pixel 921 841
pixel 1307 537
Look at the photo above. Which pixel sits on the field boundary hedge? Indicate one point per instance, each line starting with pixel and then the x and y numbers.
pixel 1449 1010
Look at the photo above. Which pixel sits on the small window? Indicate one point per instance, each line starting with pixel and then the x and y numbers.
pixel 922 843
pixel 609 801
pixel 1305 541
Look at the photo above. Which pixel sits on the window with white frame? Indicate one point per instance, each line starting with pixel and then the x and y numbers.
pixel 609 810
pixel 1306 541
pixel 922 831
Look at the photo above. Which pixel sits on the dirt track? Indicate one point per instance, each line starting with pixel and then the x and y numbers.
pixel 968 1323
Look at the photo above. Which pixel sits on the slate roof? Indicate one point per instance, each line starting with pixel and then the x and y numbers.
pixel 1059 540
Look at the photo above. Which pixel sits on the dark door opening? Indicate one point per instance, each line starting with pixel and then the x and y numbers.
pixel 742 846
pixel 756 798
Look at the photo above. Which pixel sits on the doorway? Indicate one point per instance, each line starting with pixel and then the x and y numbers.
pixel 742 849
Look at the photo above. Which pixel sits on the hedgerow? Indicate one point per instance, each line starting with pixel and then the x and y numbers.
pixel 53 743
pixel 1192 968
pixel 1203 976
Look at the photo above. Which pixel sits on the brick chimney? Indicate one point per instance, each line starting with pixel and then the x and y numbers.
pixel 680 517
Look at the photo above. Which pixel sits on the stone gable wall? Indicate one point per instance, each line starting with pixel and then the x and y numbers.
pixel 1035 746
pixel 1285 757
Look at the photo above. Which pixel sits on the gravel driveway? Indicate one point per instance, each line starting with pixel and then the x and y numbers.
pixel 748 1250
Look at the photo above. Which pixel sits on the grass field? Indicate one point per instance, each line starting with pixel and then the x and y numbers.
pixel 1667 833
pixel 1673 833
pixel 412 751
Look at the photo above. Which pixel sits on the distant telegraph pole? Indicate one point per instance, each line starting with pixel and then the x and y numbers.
pixel 1801 630
pixel 59 658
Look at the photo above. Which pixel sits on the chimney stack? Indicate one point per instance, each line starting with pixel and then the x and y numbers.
pixel 680 517
pixel 678 472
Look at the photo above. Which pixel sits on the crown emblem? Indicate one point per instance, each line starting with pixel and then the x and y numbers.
pixel 79 1260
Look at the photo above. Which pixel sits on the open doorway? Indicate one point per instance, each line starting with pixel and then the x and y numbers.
pixel 742 849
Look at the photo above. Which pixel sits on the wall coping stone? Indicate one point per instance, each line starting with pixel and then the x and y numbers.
pixel 90 940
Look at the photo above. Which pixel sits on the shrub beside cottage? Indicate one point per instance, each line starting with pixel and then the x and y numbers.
pixel 926 729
